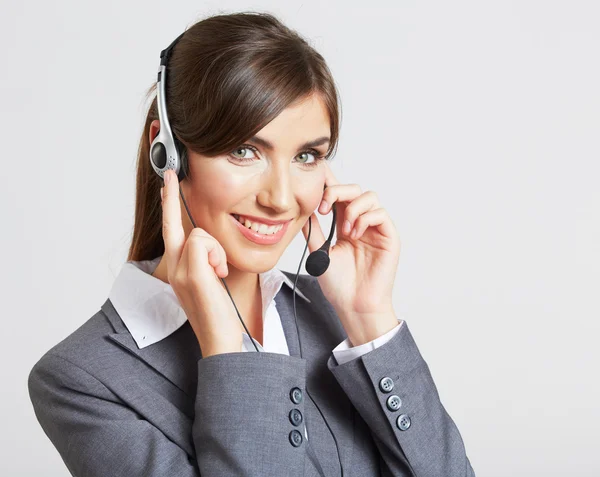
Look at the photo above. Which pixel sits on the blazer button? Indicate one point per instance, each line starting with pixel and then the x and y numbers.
pixel 403 422
pixel 295 417
pixel 394 402
pixel 295 438
pixel 296 395
pixel 386 384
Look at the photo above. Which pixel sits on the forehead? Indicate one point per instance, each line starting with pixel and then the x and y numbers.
pixel 300 122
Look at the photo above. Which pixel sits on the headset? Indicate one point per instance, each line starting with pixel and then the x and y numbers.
pixel 168 152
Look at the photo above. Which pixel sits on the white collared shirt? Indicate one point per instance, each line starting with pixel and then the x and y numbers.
pixel 151 311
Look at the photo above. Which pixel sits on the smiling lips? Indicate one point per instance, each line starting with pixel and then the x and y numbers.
pixel 261 233
pixel 263 226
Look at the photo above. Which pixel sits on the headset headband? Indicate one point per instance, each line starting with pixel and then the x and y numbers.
pixel 166 151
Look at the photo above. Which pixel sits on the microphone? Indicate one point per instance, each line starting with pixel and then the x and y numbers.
pixel 318 261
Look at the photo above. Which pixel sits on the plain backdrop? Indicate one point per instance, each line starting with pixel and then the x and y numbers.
pixel 476 122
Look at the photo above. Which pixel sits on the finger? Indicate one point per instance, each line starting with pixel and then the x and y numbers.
pixel 316 233
pixel 363 203
pixel 205 249
pixel 203 242
pixel 338 196
pixel 378 218
pixel 330 180
pixel 223 268
pixel 341 193
pixel 172 229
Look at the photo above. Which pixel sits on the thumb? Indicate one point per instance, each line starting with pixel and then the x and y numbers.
pixel 316 234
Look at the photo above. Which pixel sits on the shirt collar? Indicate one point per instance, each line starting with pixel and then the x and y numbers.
pixel 150 309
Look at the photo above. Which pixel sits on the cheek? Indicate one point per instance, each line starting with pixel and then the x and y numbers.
pixel 220 186
pixel 311 196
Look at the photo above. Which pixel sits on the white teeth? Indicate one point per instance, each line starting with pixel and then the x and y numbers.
pixel 259 228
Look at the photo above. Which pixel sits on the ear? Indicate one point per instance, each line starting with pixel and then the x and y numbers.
pixel 154 128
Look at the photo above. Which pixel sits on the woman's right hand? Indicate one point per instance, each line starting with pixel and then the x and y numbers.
pixel 194 268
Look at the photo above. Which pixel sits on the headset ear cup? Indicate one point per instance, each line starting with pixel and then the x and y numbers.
pixel 183 166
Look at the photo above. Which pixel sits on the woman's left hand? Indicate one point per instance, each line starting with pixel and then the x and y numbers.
pixel 363 261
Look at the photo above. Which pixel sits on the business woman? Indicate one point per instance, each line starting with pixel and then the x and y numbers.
pixel 207 360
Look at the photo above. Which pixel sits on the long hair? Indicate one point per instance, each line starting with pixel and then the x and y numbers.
pixel 228 77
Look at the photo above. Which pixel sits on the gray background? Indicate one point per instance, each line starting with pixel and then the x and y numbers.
pixel 477 124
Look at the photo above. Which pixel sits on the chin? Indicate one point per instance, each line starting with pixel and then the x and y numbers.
pixel 255 262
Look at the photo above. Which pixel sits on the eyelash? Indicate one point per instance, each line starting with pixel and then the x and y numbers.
pixel 308 165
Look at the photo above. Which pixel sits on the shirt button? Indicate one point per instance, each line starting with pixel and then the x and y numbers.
pixel 295 417
pixel 403 422
pixel 394 402
pixel 296 395
pixel 386 384
pixel 295 438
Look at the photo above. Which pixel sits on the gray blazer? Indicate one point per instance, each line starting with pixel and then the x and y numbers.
pixel 114 410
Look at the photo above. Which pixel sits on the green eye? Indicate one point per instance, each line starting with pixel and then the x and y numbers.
pixel 304 162
pixel 317 157
pixel 304 154
pixel 238 150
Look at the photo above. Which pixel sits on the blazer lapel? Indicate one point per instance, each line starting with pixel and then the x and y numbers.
pixel 175 357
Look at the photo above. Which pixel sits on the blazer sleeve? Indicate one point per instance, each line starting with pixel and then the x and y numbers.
pixel 393 390
pixel 242 424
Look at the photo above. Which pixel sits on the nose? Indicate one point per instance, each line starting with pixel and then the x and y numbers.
pixel 277 192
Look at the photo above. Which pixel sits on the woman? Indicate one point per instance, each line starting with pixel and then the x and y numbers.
pixel 164 379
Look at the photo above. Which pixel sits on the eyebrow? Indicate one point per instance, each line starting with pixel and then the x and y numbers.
pixel 267 145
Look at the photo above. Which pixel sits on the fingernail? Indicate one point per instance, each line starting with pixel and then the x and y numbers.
pixel 324 206
pixel 346 227
pixel 167 176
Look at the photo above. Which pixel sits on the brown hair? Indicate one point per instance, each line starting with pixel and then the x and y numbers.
pixel 228 76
